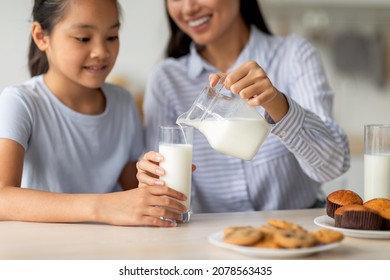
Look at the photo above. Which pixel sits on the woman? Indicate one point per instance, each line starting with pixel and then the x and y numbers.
pixel 282 76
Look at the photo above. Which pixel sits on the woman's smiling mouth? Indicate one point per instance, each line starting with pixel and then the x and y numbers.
pixel 199 21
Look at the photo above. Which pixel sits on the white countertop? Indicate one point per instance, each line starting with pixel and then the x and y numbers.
pixel 80 241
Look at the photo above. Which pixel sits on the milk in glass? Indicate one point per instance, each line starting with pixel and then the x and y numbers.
pixel 178 168
pixel 376 176
pixel 376 161
pixel 175 145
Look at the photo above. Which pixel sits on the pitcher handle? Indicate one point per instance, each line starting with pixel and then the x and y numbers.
pixel 219 86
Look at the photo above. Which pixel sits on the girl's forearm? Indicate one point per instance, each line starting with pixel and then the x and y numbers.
pixel 19 204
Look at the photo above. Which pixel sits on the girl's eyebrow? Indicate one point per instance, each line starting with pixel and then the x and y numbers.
pixel 88 26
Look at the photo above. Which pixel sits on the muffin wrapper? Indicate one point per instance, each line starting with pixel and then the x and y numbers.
pixel 361 220
pixel 385 224
pixel 331 208
pixel 337 220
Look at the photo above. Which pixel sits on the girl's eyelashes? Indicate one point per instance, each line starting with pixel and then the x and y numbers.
pixel 113 38
pixel 86 39
pixel 82 39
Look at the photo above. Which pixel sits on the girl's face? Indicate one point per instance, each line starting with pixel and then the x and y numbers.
pixel 205 21
pixel 84 44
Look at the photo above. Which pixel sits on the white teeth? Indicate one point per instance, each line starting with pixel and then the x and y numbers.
pixel 194 23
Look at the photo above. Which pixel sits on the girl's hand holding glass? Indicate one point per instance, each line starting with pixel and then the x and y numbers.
pixel 138 207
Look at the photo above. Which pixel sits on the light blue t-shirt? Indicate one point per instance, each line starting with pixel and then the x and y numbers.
pixel 66 151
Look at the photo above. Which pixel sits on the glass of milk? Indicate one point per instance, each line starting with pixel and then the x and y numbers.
pixel 376 161
pixel 175 145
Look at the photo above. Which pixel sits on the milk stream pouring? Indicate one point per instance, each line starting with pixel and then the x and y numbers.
pixel 229 124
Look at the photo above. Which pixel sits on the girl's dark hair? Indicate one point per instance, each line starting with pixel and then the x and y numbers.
pixel 179 42
pixel 47 13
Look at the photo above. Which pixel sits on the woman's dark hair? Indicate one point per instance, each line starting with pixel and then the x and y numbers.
pixel 179 42
pixel 47 13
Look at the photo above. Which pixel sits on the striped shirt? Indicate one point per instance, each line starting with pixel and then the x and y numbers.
pixel 304 149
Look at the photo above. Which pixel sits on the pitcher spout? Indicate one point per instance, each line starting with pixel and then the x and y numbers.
pixel 184 120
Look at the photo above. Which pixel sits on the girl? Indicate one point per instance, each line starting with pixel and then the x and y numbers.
pixel 282 76
pixel 68 140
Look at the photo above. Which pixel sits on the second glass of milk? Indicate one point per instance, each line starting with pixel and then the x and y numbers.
pixel 175 145
pixel 376 161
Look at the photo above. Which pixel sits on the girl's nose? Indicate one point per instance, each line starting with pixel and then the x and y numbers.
pixel 100 50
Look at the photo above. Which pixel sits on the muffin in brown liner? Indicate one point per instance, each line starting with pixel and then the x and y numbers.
pixel 360 217
pixel 340 198
pixel 338 214
pixel 382 205
pixel 385 214
pixel 378 203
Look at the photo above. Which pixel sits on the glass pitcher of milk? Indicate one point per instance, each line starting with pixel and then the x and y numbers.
pixel 229 124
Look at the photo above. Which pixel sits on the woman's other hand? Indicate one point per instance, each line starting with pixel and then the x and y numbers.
pixel 148 170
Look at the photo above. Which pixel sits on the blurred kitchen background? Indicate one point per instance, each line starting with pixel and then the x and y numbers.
pixel 352 36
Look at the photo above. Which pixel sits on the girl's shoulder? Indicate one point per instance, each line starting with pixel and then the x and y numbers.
pixel 27 91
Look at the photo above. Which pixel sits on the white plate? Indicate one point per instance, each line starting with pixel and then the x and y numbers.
pixel 327 222
pixel 217 240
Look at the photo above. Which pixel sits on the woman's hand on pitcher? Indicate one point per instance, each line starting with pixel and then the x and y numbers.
pixel 251 82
